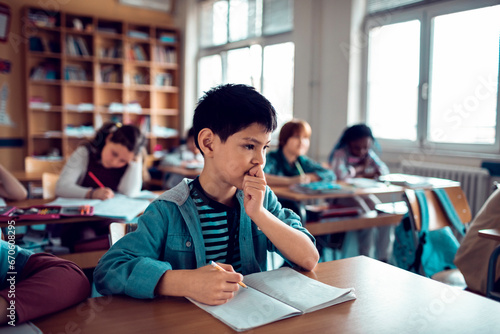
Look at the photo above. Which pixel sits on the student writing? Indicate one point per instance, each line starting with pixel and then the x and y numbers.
pixel 185 155
pixel 289 164
pixel 112 156
pixel 227 214
pixel 351 157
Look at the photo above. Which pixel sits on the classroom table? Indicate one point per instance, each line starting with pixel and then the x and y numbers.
pixel 343 224
pixel 186 172
pixel 27 177
pixel 87 259
pixel 389 300
pixel 493 233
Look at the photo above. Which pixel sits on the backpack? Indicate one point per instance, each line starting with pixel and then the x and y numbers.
pixel 427 252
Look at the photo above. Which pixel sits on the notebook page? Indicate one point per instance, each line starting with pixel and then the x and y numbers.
pixel 248 309
pixel 121 206
pixel 297 290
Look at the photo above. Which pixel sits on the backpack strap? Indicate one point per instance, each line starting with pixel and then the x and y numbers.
pixel 424 210
pixel 424 227
pixel 450 211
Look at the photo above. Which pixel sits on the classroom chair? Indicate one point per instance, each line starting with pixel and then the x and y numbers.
pixel 35 165
pixel 118 230
pixel 438 219
pixel 49 181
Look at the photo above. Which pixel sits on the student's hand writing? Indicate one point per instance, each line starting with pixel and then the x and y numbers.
pixel 213 287
pixel 254 188
pixel 299 179
pixel 103 193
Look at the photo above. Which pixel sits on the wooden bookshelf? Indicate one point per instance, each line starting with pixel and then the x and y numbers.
pixel 82 71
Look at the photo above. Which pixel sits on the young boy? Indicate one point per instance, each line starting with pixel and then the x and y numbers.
pixel 227 214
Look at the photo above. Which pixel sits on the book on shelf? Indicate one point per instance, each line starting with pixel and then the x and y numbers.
pixel 42 18
pixel 138 34
pixel 107 30
pixel 164 54
pixel 138 53
pixel 36 102
pixel 133 107
pixel 110 74
pixel 275 295
pixel 44 71
pixel 163 80
pixel 110 52
pixel 76 46
pixel 75 73
pixel 82 46
pixel 79 107
pixel 167 37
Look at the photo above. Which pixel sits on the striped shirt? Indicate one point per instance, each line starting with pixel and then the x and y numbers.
pixel 219 227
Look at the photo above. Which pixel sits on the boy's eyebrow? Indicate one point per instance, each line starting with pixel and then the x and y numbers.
pixel 255 140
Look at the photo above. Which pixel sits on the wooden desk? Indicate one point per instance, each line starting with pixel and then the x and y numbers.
pixel 286 193
pixel 493 234
pixel 24 176
pixel 39 201
pixel 389 300
pixel 186 172
pixel 342 224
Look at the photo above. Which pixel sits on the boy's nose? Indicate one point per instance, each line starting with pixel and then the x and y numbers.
pixel 259 158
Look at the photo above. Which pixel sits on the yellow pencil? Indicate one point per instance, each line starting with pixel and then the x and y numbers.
pixel 299 167
pixel 216 266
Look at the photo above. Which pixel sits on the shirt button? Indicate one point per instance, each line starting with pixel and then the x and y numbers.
pixel 188 243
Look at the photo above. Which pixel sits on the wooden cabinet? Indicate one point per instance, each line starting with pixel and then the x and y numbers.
pixel 82 71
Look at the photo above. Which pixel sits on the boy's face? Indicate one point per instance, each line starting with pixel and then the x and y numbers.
pixel 242 151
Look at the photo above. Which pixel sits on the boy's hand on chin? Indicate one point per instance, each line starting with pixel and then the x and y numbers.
pixel 254 188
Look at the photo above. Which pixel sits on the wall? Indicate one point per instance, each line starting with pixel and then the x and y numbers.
pixel 13 158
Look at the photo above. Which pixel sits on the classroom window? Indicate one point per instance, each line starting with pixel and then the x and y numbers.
pixel 248 42
pixel 433 70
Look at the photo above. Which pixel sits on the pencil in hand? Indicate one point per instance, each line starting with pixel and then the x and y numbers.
pixel 216 266
pixel 299 167
pixel 96 180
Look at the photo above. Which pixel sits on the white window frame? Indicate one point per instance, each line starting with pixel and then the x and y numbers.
pixel 263 41
pixel 425 14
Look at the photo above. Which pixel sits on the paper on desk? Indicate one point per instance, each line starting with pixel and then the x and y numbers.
pixel 2 202
pixel 120 206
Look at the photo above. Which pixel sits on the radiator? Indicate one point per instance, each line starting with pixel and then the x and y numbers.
pixel 476 182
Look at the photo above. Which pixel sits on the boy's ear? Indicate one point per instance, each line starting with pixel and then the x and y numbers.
pixel 206 140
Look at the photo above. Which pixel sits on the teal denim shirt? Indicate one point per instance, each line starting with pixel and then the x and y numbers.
pixel 169 237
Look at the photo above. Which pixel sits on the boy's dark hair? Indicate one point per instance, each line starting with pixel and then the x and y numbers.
pixel 127 135
pixel 227 109
pixel 350 134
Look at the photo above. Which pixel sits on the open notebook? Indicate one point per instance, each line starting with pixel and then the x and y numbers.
pixel 120 206
pixel 275 295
